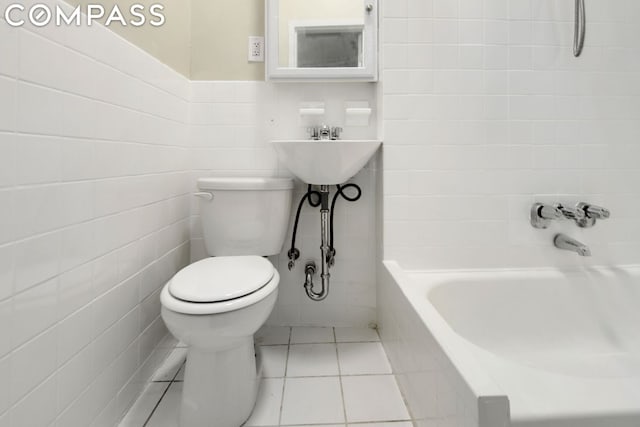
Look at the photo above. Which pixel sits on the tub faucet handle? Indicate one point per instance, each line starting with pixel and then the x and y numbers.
pixel 593 211
pixel 591 214
pixel 542 215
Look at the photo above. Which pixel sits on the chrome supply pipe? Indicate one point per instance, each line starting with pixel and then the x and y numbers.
pixel 325 250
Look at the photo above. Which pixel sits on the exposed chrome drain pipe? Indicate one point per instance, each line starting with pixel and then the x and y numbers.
pixel 326 253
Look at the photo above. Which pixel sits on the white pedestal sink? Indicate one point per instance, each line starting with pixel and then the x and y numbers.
pixel 325 162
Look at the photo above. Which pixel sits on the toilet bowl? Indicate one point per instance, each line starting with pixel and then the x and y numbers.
pixel 216 305
pixel 218 325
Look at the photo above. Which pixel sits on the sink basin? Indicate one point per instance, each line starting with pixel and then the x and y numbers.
pixel 325 162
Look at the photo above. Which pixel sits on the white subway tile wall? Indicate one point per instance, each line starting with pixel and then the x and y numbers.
pixel 485 110
pixel 231 126
pixel 95 218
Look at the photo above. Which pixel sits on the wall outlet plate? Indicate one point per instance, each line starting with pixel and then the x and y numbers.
pixel 256 49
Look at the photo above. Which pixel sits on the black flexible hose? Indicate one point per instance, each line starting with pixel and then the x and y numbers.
pixel 294 253
pixel 340 192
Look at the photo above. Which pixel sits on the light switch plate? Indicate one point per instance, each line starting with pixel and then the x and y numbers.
pixel 256 49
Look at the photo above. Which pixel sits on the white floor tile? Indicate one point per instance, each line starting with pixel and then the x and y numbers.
pixel 169 368
pixel 274 360
pixel 363 358
pixel 168 411
pixel 273 335
pixel 267 409
pixel 311 335
pixel 373 398
pixel 369 400
pixel 142 408
pixel 356 335
pixel 312 401
pixel 312 360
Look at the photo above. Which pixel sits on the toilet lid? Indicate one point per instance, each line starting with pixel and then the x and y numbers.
pixel 221 278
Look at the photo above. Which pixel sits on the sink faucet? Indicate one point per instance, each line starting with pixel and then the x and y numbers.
pixel 562 241
pixel 324 133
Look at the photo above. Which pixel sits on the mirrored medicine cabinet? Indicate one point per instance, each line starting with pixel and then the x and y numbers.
pixel 321 40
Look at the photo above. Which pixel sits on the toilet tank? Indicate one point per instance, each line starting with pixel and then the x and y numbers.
pixel 246 216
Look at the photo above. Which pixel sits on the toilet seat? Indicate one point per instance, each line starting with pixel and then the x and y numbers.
pixel 219 285
pixel 221 278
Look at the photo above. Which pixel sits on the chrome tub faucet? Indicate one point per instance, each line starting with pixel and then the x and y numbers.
pixel 564 242
pixel 584 214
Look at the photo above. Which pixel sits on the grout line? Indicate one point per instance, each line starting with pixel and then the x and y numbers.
pixel 284 381
pixel 387 374
pixel 300 377
pixel 166 390
pixel 316 342
pixel 156 406
pixel 344 403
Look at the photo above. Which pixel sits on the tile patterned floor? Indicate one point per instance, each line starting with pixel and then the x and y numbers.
pixel 329 377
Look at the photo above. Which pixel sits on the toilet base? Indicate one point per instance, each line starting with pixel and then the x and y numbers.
pixel 220 387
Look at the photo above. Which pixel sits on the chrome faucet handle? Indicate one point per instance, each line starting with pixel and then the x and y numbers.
pixel 592 213
pixel 313 132
pixel 335 132
pixel 575 214
pixel 542 215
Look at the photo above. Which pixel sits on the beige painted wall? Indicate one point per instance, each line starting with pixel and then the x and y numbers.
pixel 169 43
pixel 219 39
pixel 201 39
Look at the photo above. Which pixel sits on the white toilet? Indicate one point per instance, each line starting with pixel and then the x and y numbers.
pixel 216 305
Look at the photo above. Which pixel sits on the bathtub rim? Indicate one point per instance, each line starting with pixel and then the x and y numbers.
pixel 415 286
pixel 491 400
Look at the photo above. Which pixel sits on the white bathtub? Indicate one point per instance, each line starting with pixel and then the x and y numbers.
pixel 536 348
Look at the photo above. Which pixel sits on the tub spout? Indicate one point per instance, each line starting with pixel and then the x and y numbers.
pixel 562 241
